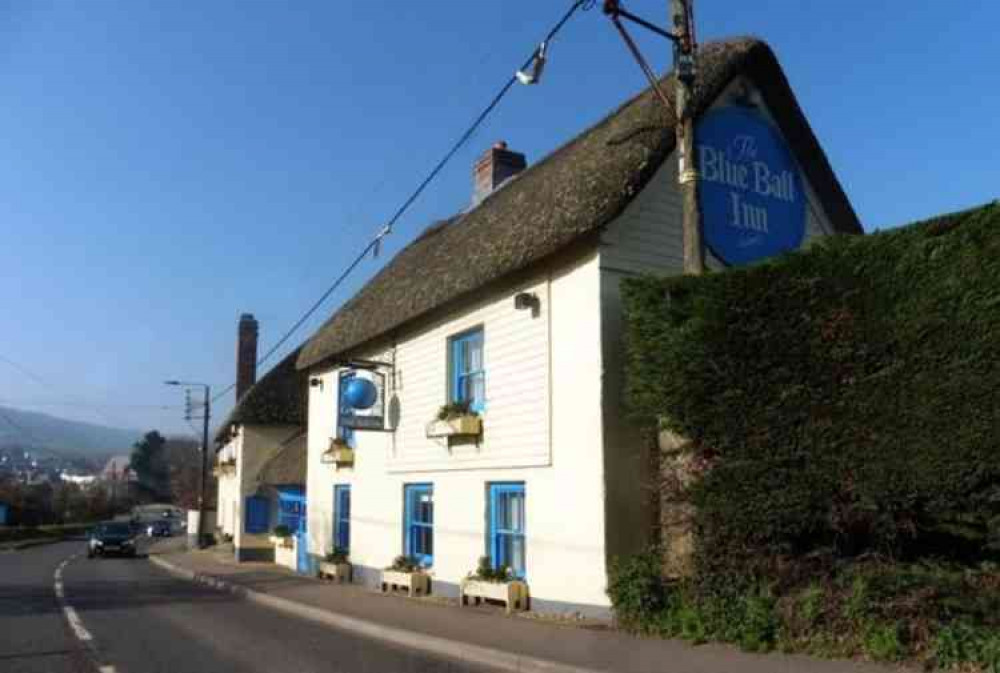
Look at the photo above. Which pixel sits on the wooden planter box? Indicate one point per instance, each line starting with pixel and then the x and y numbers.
pixel 415 583
pixel 513 594
pixel 338 572
pixel 471 425
pixel 281 541
pixel 340 457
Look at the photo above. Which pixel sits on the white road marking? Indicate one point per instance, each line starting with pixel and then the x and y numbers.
pixel 76 624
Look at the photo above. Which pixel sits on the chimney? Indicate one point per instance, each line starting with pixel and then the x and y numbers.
pixel 246 355
pixel 493 168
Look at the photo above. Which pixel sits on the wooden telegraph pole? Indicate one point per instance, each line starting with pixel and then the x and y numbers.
pixel 687 175
pixel 685 70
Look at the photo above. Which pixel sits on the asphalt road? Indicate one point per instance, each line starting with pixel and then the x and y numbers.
pixel 141 620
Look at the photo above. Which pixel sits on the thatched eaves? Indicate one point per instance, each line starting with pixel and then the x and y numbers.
pixel 572 193
pixel 278 398
pixel 287 467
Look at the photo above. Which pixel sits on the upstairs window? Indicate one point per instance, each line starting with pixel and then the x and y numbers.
pixel 468 375
pixel 344 433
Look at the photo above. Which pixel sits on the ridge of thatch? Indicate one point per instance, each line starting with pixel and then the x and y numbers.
pixel 574 191
pixel 277 398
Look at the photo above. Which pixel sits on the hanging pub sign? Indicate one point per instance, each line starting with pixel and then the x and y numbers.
pixel 751 197
pixel 362 400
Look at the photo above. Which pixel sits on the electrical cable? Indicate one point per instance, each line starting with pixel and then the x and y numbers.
pixel 585 5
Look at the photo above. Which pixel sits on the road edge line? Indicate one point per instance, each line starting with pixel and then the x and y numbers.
pixel 445 647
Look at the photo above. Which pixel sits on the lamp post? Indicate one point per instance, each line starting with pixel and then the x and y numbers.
pixel 204 454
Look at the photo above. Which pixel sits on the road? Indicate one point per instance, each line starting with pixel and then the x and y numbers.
pixel 131 617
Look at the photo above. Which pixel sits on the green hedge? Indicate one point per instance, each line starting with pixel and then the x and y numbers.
pixel 19 533
pixel 844 399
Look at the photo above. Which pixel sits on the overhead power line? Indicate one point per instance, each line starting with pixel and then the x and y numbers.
pixel 375 244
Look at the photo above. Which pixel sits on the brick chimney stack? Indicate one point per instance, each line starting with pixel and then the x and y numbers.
pixel 493 168
pixel 246 355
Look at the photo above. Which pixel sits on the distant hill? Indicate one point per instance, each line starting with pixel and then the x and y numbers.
pixel 41 432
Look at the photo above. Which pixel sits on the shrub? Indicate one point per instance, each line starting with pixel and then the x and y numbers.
pixel 485 571
pixel 282 530
pixel 338 555
pixel 455 410
pixel 637 590
pixel 405 564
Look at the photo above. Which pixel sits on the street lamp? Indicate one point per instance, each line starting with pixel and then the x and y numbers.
pixel 204 452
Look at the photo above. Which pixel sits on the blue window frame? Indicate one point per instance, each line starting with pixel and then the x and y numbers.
pixel 468 372
pixel 292 507
pixel 257 514
pixel 342 517
pixel 346 434
pixel 419 522
pixel 506 527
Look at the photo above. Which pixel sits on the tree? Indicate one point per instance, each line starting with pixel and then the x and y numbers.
pixel 151 466
pixel 184 457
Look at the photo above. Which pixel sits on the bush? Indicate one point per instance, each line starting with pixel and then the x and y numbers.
pixel 405 564
pixel 637 590
pixel 485 571
pixel 338 555
pixel 282 531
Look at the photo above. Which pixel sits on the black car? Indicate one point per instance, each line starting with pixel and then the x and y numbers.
pixel 115 537
pixel 159 529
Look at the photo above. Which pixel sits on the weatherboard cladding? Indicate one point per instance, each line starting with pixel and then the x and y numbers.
pixel 572 193
pixel 278 398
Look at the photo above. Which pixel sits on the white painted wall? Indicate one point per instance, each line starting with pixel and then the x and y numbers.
pixel 252 447
pixel 542 427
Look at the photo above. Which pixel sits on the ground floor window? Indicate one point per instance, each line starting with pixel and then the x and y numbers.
pixel 506 527
pixel 292 508
pixel 342 517
pixel 418 522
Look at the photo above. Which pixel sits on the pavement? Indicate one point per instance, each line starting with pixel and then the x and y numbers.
pixel 484 637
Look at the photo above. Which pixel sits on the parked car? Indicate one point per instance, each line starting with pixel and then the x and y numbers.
pixel 113 537
pixel 159 529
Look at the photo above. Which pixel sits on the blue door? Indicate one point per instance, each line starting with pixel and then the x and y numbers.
pixel 506 536
pixel 419 523
pixel 302 539
pixel 342 517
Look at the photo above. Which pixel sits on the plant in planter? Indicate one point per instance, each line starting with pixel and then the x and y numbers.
pixel 455 419
pixel 339 453
pixel 494 584
pixel 336 566
pixel 282 535
pixel 406 573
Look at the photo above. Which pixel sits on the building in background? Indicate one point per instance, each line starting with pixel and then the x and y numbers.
pixel 262 438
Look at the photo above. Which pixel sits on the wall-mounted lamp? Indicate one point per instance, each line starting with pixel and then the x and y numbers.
pixel 528 300
pixel 316 382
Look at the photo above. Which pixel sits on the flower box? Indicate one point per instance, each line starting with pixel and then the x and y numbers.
pixel 279 541
pixel 467 425
pixel 338 572
pixel 416 583
pixel 513 594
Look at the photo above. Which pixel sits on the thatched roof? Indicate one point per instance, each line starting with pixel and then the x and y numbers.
pixel 572 193
pixel 278 398
pixel 287 467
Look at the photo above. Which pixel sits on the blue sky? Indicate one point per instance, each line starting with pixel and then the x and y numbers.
pixel 165 166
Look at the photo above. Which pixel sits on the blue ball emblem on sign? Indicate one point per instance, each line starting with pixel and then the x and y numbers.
pixel 752 202
pixel 360 393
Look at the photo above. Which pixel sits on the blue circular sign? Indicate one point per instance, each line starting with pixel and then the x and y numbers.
pixel 752 202
pixel 360 393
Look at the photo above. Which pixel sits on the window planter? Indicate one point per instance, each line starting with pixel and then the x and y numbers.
pixel 469 425
pixel 340 454
pixel 279 541
pixel 338 572
pixel 416 583
pixel 513 594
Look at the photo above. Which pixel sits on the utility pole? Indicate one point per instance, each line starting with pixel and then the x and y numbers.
pixel 206 414
pixel 682 36
pixel 681 14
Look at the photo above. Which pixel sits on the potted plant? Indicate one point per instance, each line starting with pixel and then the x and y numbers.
pixel 282 536
pixel 336 566
pixel 339 453
pixel 456 419
pixel 494 584
pixel 406 573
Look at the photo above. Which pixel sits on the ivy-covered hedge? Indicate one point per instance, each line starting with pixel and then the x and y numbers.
pixel 846 397
pixel 842 402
